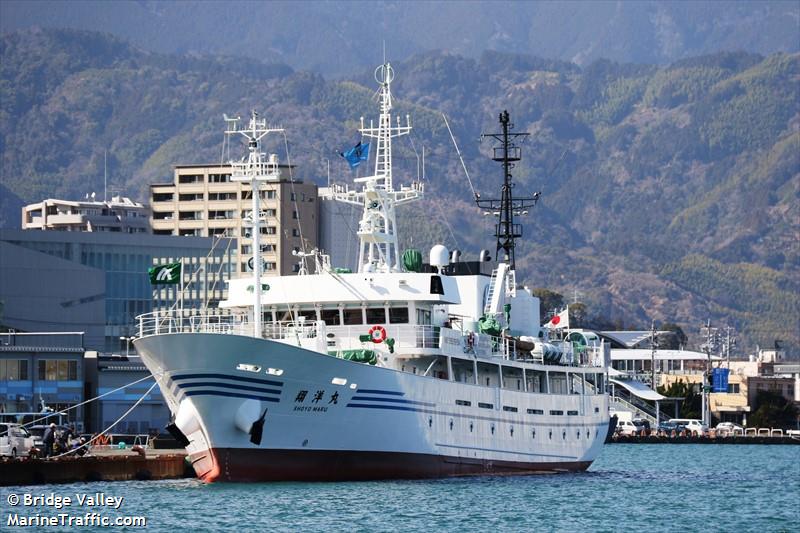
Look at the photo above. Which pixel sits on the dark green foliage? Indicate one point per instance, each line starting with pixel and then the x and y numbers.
pixel 773 411
pixel 673 341
pixel 549 301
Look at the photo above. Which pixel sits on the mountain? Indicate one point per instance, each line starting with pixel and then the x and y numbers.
pixel 337 38
pixel 668 192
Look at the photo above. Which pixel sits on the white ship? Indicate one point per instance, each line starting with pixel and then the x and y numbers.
pixel 399 370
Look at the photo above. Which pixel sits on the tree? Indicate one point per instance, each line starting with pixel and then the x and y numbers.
pixel 548 300
pixel 773 411
pixel 673 341
pixel 577 314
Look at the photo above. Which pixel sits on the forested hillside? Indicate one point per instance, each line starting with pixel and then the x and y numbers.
pixel 668 193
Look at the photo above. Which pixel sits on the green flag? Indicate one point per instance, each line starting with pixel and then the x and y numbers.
pixel 169 274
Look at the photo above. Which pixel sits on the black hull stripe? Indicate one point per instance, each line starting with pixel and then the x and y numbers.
pixel 358 398
pixel 176 377
pixel 383 406
pixel 377 391
pixel 226 386
pixel 230 395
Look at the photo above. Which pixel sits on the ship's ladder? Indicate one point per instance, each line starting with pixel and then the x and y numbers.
pixel 492 305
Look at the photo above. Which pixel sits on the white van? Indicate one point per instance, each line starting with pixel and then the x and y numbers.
pixel 626 427
pixel 691 425
pixel 15 441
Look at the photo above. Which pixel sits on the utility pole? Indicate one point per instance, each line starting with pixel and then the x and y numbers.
pixel 653 347
pixel 708 347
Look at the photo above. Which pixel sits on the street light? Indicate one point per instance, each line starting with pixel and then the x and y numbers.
pixel 127 344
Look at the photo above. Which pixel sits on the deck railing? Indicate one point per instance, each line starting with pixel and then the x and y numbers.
pixel 410 339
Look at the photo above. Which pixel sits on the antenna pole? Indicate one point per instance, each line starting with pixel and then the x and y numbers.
pixel 507 206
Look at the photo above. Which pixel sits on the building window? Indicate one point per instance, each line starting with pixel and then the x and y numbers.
pixel 58 370
pixel 162 197
pixel 295 232
pixel 219 178
pixel 13 370
pixel 190 178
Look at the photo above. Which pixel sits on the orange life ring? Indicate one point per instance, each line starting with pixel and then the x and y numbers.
pixel 378 334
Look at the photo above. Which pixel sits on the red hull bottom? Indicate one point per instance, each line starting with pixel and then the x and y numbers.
pixel 243 465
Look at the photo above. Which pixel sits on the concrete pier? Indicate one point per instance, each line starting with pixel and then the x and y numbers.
pixel 111 465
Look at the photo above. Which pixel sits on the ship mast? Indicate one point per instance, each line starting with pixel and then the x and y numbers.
pixel 377 230
pixel 507 206
pixel 254 169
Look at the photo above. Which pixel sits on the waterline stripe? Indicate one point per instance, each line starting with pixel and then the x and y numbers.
pixel 505 451
pixel 175 377
pixel 230 395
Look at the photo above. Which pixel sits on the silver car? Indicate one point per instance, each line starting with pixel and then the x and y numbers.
pixel 15 441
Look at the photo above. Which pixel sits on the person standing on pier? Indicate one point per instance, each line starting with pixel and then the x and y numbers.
pixel 48 439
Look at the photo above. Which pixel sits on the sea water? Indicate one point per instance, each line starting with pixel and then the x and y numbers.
pixel 631 487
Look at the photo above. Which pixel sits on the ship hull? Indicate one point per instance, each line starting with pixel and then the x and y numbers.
pixel 247 465
pixel 325 418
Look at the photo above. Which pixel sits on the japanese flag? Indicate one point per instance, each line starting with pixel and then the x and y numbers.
pixel 561 320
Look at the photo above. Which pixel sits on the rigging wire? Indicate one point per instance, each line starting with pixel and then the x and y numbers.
pixel 117 421
pixel 474 194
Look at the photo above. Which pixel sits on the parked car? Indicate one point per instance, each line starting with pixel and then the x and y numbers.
pixel 15 441
pixel 626 427
pixel 669 427
pixel 729 427
pixel 642 425
pixel 691 425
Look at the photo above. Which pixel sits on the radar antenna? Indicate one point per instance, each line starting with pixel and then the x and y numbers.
pixel 507 206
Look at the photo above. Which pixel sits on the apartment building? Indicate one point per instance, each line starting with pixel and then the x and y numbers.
pixel 120 214
pixel 203 201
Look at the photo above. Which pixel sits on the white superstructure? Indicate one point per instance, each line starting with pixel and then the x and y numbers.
pixel 399 370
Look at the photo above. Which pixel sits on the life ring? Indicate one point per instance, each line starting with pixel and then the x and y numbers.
pixel 378 334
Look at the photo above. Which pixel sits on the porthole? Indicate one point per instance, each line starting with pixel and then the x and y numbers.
pixel 551 434
pixel 492 429
pixel 511 431
pixel 587 433
pixel 470 427
pixel 451 424
pixel 578 434
pixel 564 435
pixel 430 421
pixel 533 434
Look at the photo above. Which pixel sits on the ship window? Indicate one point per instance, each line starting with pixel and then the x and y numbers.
pixel 572 413
pixel 353 316
pixel 596 409
pixel 376 315
pixel 330 317
pixel 485 405
pixel 509 409
pixel 556 413
pixel 310 316
pixel 398 315
pixel 535 412
pixel 436 285
pixel 463 402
